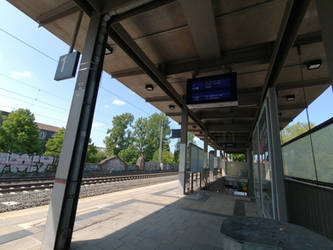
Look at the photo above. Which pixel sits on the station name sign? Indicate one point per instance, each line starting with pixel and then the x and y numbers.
pixel 67 66
pixel 212 91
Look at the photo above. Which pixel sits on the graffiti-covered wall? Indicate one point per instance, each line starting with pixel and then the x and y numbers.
pixel 23 163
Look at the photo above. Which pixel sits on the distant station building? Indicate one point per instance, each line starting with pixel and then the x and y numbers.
pixel 112 163
pixel 46 131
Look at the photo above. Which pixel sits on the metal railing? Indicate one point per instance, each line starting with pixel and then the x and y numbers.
pixel 310 205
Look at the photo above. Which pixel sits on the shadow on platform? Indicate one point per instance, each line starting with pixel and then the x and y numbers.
pixel 163 220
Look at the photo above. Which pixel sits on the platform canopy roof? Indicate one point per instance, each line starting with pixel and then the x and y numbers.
pixel 165 42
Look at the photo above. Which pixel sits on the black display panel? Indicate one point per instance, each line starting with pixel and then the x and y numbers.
pixel 212 89
pixel 175 133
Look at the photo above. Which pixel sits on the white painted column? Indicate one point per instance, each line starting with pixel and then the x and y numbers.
pixel 206 159
pixel 183 152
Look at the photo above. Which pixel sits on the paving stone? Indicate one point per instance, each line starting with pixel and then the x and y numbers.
pixel 109 243
pixel 133 220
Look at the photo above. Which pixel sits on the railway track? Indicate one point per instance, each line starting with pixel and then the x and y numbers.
pixel 28 186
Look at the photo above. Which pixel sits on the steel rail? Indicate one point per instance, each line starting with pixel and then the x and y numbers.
pixel 20 187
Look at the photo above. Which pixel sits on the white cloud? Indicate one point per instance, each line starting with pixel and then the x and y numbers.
pixel 97 124
pixel 16 74
pixel 107 106
pixel 118 102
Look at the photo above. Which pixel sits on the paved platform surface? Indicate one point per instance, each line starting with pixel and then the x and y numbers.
pixel 152 217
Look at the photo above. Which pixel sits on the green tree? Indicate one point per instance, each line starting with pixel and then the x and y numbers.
pixel 140 135
pixel 100 156
pixel 190 139
pixel 53 145
pixel 238 157
pixel 129 155
pixel 19 133
pixel 91 153
pixel 120 136
pixel 154 124
pixel 166 157
pixel 295 130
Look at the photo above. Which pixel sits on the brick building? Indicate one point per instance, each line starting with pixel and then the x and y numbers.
pixel 46 131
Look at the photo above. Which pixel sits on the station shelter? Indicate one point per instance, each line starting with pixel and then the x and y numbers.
pixel 272 59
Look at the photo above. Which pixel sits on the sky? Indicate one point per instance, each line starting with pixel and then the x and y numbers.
pixel 26 81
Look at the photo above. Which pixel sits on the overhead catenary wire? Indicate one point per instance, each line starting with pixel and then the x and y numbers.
pixel 32 104
pixel 114 94
pixel 35 99
pixel 39 89
pixel 28 45
pixel 52 118
pixel 54 60
pixel 32 86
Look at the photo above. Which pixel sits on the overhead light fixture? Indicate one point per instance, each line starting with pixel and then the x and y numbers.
pixel 149 87
pixel 172 107
pixel 290 98
pixel 314 64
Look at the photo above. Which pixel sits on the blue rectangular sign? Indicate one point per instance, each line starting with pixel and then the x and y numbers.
pixel 67 66
pixel 175 133
pixel 212 89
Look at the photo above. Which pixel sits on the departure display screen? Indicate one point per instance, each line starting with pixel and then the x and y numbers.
pixel 213 89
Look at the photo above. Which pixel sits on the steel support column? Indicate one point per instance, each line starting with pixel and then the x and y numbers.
pixel 66 189
pixel 183 152
pixel 249 162
pixel 324 8
pixel 276 157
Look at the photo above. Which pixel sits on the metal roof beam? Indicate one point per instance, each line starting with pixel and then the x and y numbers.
pixel 293 16
pixel 256 54
pixel 250 96
pixel 86 7
pixel 124 40
pixel 228 128
pixel 158 99
pixel 173 114
pixel 235 150
pixel 225 115
pixel 150 5
pixel 58 12
pixel 201 20
pixel 235 118
pixel 291 107
pixel 302 84
pixel 292 19
pixel 89 6
pixel 232 139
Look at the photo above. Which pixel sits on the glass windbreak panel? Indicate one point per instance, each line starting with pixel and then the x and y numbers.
pixel 200 159
pixel 297 127
pixel 256 177
pixel 322 141
pixel 211 161
pixel 320 110
pixel 265 168
pixel 297 159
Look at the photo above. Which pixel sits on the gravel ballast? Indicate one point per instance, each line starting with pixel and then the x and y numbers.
pixel 26 199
